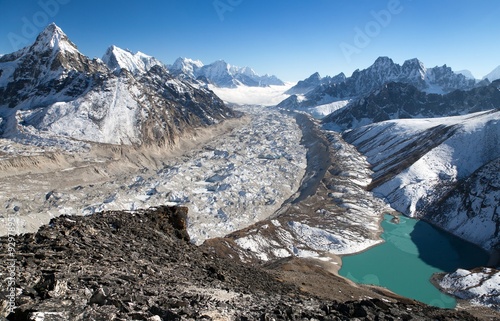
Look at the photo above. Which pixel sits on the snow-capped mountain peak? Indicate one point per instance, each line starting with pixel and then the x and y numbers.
pixel 436 80
pixel 29 77
pixel 53 38
pixel 493 75
pixel 221 74
pixel 466 73
pixel 415 68
pixel 220 67
pixel 51 91
pixel 382 62
pixel 185 66
pixel 248 71
pixel 117 59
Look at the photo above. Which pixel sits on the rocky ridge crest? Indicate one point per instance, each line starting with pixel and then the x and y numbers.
pixel 139 266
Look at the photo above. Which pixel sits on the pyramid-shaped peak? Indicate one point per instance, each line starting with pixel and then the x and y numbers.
pixel 315 76
pixel 114 50
pixel 413 61
pixel 248 71
pixel 54 39
pixel 181 61
pixel 117 59
pixel 383 61
pixel 414 64
pixel 52 28
pixel 221 62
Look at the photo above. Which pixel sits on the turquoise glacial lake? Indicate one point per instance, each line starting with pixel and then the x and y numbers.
pixel 412 252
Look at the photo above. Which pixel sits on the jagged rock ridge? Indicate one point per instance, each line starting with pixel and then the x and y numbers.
pixel 313 81
pixel 400 100
pixel 438 80
pixel 117 59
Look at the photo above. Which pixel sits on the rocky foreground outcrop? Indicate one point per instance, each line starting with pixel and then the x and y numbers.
pixel 140 266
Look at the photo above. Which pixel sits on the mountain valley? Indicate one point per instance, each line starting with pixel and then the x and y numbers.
pixel 279 181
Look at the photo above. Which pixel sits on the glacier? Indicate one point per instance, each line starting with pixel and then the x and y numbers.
pixel 241 177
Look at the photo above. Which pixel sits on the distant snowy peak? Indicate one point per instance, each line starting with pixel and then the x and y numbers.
pixel 494 75
pixel 117 59
pixel 438 80
pixel 221 74
pixel 186 67
pixel 308 84
pixel 466 73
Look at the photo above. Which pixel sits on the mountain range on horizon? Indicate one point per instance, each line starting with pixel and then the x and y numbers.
pixel 43 83
pixel 324 95
pixel 219 73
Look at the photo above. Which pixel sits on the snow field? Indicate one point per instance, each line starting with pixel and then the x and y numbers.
pixel 458 157
pixel 244 95
pixel 479 286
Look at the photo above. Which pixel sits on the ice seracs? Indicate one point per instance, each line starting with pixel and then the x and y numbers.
pixel 235 180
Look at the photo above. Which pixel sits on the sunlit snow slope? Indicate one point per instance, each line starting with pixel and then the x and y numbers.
pixel 419 162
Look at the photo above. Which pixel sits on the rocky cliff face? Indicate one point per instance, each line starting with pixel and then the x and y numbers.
pixel 52 66
pixel 138 266
pixel 51 91
pixel 476 201
pixel 400 100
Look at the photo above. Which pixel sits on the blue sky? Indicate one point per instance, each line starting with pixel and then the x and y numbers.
pixel 288 38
